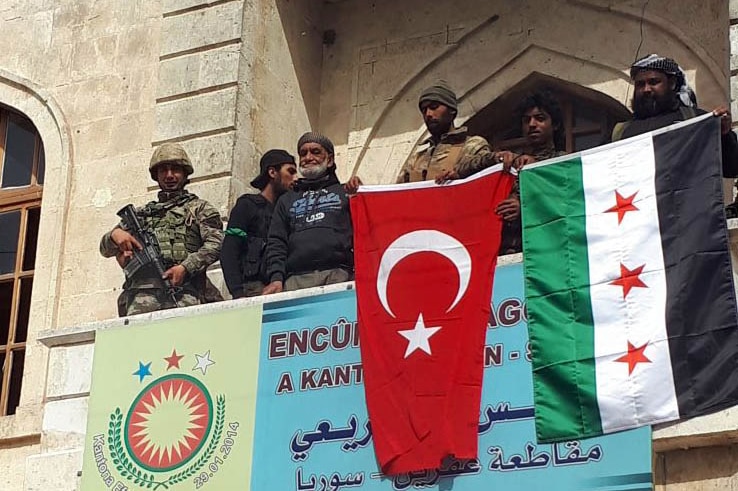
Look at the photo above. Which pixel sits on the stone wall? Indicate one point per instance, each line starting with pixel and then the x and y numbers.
pixel 386 52
pixel 105 80
pixel 84 72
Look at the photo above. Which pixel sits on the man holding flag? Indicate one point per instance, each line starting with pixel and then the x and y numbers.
pixel 631 302
pixel 662 97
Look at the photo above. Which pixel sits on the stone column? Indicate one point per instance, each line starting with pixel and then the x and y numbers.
pixel 228 88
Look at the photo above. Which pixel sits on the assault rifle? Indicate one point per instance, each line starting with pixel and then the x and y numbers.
pixel 150 252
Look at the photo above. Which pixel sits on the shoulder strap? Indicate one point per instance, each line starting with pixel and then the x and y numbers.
pixel 687 112
pixel 617 131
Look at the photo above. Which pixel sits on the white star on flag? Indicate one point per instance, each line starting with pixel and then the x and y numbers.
pixel 203 362
pixel 418 337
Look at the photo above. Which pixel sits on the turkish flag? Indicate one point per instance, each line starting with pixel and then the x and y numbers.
pixel 425 256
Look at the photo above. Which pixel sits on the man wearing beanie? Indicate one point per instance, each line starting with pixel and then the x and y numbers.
pixel 310 239
pixel 449 148
pixel 242 256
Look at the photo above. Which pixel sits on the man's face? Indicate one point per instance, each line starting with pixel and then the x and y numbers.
pixel 653 94
pixel 437 117
pixel 538 127
pixel 170 176
pixel 314 160
pixel 283 179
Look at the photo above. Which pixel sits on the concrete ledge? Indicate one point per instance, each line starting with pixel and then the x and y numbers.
pixel 720 428
pixel 85 333
pixel 22 427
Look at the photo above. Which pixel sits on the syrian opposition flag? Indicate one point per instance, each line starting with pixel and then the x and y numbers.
pixel 632 313
pixel 425 255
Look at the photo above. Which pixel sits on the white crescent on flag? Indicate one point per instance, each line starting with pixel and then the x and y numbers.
pixel 424 241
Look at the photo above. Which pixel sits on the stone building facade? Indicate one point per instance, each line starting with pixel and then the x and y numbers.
pixel 103 81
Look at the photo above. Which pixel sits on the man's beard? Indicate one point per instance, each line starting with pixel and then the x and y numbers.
pixel 646 106
pixel 278 187
pixel 314 172
pixel 437 128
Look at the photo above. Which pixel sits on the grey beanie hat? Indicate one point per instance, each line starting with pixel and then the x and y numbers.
pixel 439 92
pixel 313 137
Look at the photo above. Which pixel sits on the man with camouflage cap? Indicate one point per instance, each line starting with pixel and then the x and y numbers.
pixel 451 151
pixel 189 231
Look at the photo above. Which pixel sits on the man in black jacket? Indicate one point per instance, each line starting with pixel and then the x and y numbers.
pixel 662 97
pixel 242 254
pixel 310 238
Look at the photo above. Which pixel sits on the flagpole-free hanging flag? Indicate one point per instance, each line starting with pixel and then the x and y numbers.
pixel 425 256
pixel 632 312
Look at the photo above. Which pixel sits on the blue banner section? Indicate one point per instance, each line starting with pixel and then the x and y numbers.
pixel 312 431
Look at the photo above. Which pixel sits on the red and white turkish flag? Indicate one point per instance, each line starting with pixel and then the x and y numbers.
pixel 425 256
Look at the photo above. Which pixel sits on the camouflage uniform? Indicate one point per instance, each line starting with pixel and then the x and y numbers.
pixel 190 232
pixel 455 150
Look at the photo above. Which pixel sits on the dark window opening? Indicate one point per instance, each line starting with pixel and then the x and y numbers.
pixel 588 115
pixel 22 169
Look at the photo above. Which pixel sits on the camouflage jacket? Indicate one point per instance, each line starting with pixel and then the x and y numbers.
pixel 540 155
pixel 189 231
pixel 455 150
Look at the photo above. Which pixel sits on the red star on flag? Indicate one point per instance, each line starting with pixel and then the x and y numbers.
pixel 629 279
pixel 634 356
pixel 173 359
pixel 623 205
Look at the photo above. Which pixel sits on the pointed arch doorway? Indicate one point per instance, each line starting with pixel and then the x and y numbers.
pixel 588 114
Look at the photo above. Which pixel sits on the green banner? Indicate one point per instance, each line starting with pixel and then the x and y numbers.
pixel 164 410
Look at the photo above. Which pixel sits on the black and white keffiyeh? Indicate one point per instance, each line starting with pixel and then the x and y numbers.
pixel 669 67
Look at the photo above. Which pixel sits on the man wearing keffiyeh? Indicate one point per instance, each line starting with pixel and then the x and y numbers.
pixel 662 97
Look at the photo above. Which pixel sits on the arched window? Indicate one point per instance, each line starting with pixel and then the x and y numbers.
pixel 21 185
pixel 588 115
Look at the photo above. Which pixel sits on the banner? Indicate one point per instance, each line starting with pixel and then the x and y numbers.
pixel 312 432
pixel 170 407
pixel 274 400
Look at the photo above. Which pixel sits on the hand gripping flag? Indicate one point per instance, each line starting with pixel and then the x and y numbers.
pixel 425 256
pixel 631 306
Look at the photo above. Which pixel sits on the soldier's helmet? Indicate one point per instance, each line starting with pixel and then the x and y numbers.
pixel 170 152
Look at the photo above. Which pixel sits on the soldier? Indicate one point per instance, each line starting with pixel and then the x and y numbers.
pixel 189 233
pixel 451 152
pixel 242 257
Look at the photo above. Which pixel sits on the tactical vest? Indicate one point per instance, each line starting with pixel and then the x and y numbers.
pixel 172 222
pixel 426 168
pixel 253 261
pixel 687 112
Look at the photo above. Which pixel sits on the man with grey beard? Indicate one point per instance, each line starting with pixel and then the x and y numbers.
pixel 311 238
